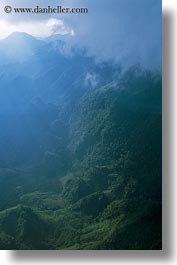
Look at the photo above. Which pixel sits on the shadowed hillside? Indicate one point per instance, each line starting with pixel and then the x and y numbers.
pixel 80 150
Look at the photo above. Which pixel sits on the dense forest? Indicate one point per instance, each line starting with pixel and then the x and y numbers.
pixel 80 150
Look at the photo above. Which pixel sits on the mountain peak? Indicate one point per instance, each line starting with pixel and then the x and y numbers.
pixel 19 46
pixel 20 39
pixel 20 35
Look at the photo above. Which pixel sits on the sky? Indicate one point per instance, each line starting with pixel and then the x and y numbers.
pixel 128 31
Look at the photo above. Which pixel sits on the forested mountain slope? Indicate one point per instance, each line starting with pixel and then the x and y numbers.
pixel 80 151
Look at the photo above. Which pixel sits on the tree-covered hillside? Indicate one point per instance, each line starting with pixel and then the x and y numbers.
pixel 80 152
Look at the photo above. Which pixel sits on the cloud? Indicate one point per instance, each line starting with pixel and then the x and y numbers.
pixel 128 31
pixel 91 80
pixel 42 29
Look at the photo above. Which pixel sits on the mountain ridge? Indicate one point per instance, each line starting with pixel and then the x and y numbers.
pixel 80 155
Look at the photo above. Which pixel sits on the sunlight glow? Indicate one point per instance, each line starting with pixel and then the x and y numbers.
pixel 41 29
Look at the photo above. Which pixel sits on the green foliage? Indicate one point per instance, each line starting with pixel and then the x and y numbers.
pixel 92 176
pixel 76 188
pixel 93 204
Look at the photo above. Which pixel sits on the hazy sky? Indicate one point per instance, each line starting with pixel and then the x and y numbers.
pixel 128 30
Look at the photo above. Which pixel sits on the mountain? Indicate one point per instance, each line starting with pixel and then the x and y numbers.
pixel 18 47
pixel 80 149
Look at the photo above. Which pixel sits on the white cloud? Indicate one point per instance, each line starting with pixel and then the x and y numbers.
pixel 42 29
pixel 91 80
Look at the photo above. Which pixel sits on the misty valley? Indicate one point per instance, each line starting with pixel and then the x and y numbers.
pixel 80 149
